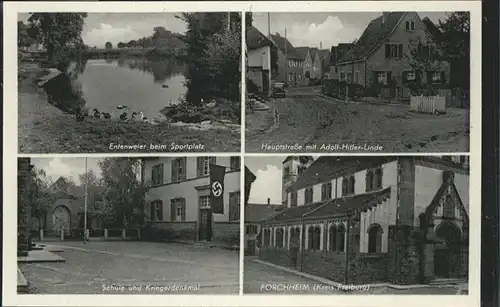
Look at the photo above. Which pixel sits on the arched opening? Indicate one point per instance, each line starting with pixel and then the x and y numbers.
pixel 279 237
pixel 341 238
pixel 375 238
pixel 61 219
pixel 332 238
pixel 447 254
pixel 267 237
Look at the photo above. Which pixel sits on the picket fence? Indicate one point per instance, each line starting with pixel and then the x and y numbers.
pixel 428 104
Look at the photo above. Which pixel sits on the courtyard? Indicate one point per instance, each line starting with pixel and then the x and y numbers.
pixel 135 268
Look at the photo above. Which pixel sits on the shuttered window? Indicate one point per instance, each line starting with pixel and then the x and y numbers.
pixel 178 210
pixel 178 169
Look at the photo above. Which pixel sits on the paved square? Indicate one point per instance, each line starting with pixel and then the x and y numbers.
pixel 136 268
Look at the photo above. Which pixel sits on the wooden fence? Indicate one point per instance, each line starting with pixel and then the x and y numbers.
pixel 428 104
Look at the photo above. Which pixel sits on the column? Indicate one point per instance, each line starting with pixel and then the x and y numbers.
pixel 24 207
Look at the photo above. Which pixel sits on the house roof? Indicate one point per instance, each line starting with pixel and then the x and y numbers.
pixel 313 52
pixel 302 52
pixel 360 203
pixel 328 167
pixel 376 31
pixel 329 208
pixel 432 28
pixel 260 212
pixel 303 159
pixel 281 42
pixel 255 39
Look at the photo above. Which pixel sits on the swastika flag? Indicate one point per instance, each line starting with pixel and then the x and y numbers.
pixel 217 174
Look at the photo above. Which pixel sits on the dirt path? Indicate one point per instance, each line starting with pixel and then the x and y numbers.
pixel 307 119
pixel 45 129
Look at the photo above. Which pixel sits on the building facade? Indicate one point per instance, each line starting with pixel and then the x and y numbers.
pixel 179 197
pixel 259 60
pixel 292 168
pixel 254 215
pixel 290 63
pixel 358 220
pixel 383 54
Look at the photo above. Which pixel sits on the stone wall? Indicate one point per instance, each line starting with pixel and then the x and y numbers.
pixel 368 268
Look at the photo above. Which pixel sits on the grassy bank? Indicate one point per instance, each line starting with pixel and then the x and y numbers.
pixel 45 129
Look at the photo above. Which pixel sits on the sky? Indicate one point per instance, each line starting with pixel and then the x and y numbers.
pixel 66 167
pixel 309 29
pixel 122 27
pixel 268 182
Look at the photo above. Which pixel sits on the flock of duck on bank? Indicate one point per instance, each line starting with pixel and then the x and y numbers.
pixel 136 116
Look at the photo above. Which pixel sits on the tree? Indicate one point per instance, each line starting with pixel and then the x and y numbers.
pixel 124 193
pixel 109 45
pixel 450 46
pixel 24 39
pixel 59 33
pixel 132 43
pixel 43 198
pixel 121 45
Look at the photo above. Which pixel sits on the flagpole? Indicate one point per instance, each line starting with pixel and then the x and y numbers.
pixel 85 204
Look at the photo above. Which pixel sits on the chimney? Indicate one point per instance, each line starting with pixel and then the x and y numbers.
pixel 278 35
pixel 320 45
pixel 268 201
pixel 385 16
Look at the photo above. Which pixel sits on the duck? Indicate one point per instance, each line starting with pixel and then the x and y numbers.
pixel 123 116
pixel 141 115
pixel 106 115
pixel 96 113
pixel 134 114
pixel 165 86
pixel 121 106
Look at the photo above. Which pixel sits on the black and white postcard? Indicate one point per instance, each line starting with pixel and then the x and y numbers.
pixel 357 225
pixel 121 225
pixel 129 82
pixel 358 82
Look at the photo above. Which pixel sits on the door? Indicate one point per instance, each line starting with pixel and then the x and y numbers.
pixel 442 263
pixel 265 82
pixel 61 219
pixel 205 231
pixel 251 247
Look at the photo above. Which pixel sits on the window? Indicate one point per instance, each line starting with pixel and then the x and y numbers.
pixel 157 174
pixel 382 77
pixel 410 25
pixel 178 169
pixel 178 210
pixel 349 76
pixel 448 208
pixel 251 229
pixel 342 76
pixel 156 210
pixel 348 184
pixel 436 76
pixel 393 51
pixel 204 201
pixel 295 237
pixel 326 191
pixel 375 238
pixel 341 238
pixel 336 69
pixel 203 165
pixel 314 238
pixel 290 77
pixel 410 75
pixel 279 237
pixel 374 179
pixel 234 163
pixel 293 199
pixel 287 171
pixel 234 206
pixel 369 180
pixel 356 77
pixel 308 196
pixel 332 238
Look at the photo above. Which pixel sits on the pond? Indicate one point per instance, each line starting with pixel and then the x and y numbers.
pixel 138 83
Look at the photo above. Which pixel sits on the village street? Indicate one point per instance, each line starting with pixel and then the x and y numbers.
pixel 102 267
pixel 306 117
pixel 261 278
